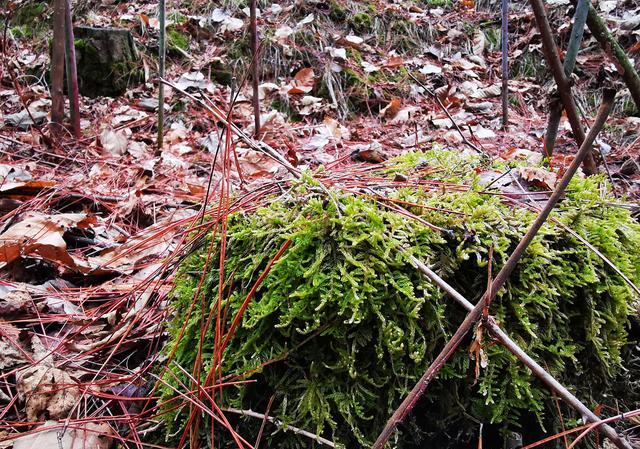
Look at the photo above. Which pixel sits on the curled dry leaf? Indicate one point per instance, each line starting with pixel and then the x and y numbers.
pixel 40 235
pixel 129 256
pixel 391 110
pixel 302 82
pixel 10 353
pixel 114 142
pixel 538 177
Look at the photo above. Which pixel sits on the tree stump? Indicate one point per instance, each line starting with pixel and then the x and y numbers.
pixel 107 60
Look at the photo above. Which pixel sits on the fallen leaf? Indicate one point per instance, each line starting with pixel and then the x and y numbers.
pixel 370 153
pixel 114 142
pixel 45 388
pixel 483 133
pixel 40 235
pixel 392 109
pixel 302 82
pixel 538 177
pixel 127 257
pixel 59 435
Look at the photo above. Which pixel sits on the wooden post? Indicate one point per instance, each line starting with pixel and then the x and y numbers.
pixel 161 67
pixel 505 64
pixel 255 67
pixel 72 72
pixel 57 67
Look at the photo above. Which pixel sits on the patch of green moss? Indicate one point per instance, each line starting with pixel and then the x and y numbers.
pixel 337 10
pixel 176 39
pixel 29 20
pixel 343 325
pixel 362 22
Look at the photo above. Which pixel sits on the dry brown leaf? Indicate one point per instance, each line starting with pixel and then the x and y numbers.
pixel 479 43
pixel 40 235
pixel 539 177
pixel 128 257
pixel 492 91
pixel 10 353
pixel 391 110
pixel 45 388
pixel 114 142
pixel 393 62
pixel 49 435
pixel 302 82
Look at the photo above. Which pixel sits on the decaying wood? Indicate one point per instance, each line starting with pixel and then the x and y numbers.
pixel 432 371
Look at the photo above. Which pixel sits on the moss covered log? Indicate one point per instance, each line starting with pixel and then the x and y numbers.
pixel 342 325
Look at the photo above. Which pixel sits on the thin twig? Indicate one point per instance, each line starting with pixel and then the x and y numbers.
pixel 283 426
pixel 505 64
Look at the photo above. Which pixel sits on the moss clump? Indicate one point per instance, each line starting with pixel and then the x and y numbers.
pixel 176 39
pixel 342 325
pixel 337 11
pixel 29 19
pixel 362 22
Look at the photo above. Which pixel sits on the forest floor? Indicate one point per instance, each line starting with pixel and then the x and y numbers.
pixel 92 227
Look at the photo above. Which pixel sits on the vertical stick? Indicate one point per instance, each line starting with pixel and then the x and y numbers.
pixel 255 66
pixel 564 86
pixel 161 63
pixel 505 64
pixel 72 73
pixel 555 106
pixel 615 52
pixel 57 67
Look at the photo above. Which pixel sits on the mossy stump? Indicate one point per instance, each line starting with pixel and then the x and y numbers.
pixel 331 335
pixel 108 61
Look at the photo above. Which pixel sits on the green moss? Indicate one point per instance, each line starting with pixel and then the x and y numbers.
pixel 362 22
pixel 29 20
pixel 492 36
pixel 30 13
pixel 343 325
pixel 176 39
pixel 439 3
pixel 337 10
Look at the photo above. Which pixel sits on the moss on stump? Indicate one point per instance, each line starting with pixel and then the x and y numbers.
pixel 107 60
